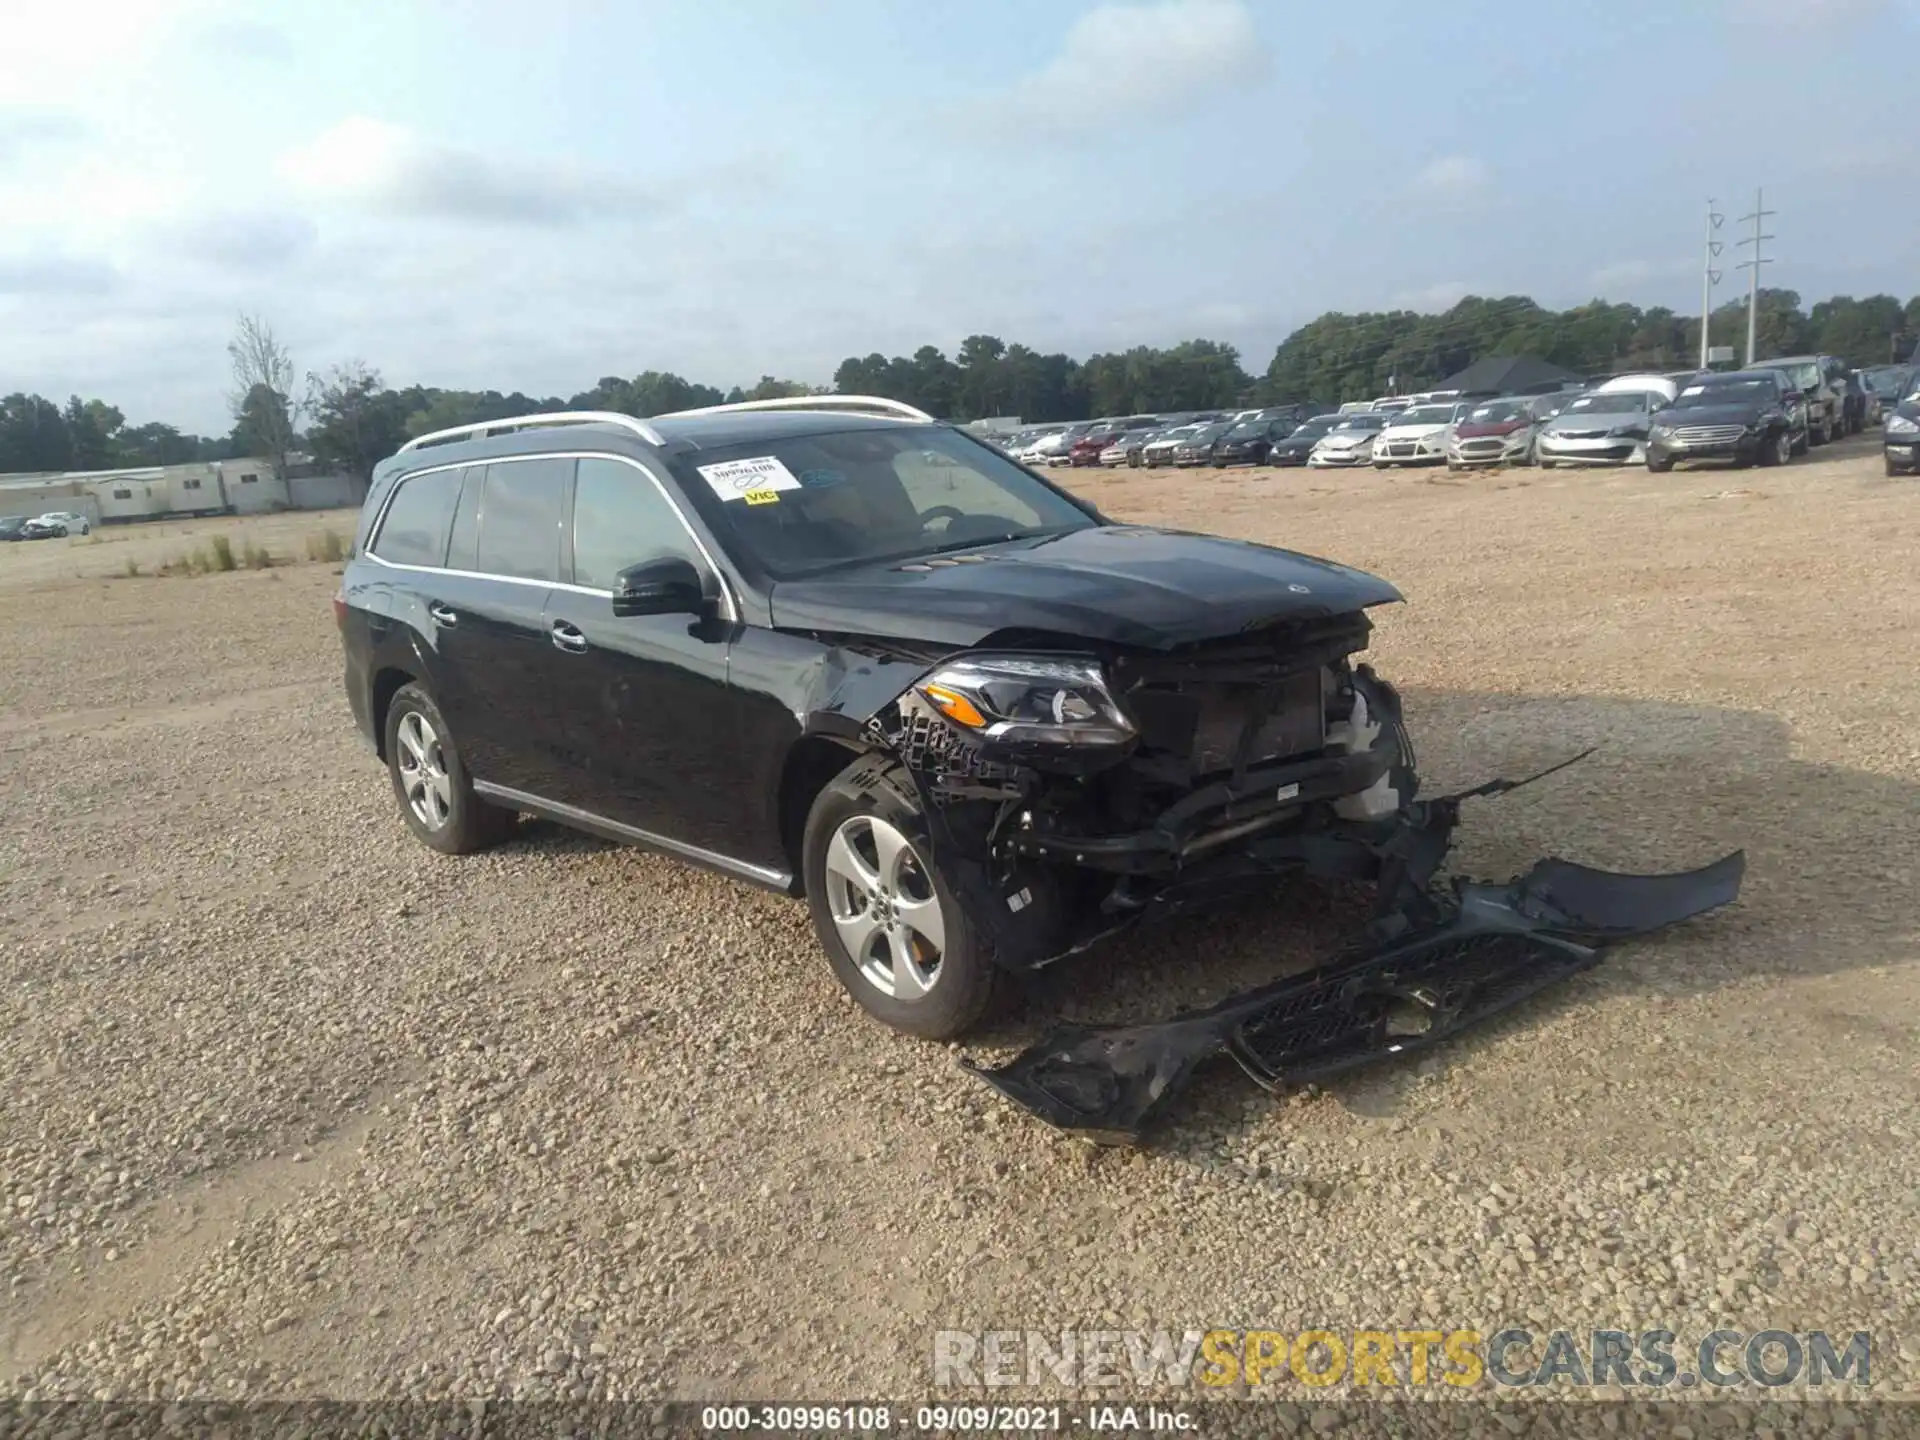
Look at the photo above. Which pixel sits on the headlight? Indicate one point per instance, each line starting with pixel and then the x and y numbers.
pixel 1028 700
pixel 1901 425
pixel 1662 430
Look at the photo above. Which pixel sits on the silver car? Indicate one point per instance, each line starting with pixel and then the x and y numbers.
pixel 1495 432
pixel 1599 428
pixel 1349 442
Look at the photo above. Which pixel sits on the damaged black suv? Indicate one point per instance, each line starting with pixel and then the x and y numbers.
pixel 840 650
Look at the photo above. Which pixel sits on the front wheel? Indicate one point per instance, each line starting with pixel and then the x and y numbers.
pixel 897 939
pixel 1777 449
pixel 1659 467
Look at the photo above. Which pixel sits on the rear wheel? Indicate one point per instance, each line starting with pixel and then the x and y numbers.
pixel 430 782
pixel 895 935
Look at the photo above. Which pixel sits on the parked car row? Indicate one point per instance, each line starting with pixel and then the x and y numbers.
pixel 1763 415
pixel 50 526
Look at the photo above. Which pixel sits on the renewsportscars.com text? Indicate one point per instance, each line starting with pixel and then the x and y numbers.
pixel 1397 1358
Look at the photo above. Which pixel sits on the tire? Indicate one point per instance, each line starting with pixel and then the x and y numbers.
pixel 866 846
pixel 1658 467
pixel 1821 434
pixel 1803 443
pixel 1546 464
pixel 1777 449
pixel 438 804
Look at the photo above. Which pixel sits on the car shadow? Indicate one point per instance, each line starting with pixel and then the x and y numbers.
pixel 1831 855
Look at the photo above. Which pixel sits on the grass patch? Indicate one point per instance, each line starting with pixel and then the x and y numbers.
pixel 327 546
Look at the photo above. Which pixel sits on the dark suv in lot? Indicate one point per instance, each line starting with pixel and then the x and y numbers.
pixel 839 650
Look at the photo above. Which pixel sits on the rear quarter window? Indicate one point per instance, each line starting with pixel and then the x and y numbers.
pixel 418 518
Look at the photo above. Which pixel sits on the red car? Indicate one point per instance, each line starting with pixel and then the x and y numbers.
pixel 1086 450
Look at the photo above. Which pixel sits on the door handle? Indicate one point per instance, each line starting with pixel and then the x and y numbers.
pixel 569 638
pixel 443 616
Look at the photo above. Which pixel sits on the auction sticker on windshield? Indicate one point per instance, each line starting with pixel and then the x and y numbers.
pixel 739 479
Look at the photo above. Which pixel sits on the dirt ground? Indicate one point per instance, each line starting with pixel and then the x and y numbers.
pixel 294 1106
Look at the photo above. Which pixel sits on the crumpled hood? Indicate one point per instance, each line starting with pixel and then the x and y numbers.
pixel 1349 439
pixel 1412 432
pixel 1117 585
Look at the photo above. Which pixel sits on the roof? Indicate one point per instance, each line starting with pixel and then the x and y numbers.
pixel 1507 375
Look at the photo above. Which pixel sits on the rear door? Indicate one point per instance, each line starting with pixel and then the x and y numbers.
pixel 489 607
pixel 651 730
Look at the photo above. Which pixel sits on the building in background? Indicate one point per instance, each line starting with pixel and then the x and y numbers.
pixel 168 492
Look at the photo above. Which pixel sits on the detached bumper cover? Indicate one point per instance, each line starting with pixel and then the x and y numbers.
pixel 1441 958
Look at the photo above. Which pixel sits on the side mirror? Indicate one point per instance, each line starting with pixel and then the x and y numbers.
pixel 669 586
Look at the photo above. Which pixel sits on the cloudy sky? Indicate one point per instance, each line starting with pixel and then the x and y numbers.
pixel 478 193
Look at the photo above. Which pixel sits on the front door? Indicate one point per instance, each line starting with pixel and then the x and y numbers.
pixel 651 735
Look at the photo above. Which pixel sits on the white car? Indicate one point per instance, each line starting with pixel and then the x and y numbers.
pixel 1417 435
pixel 1349 442
pixel 61 522
pixel 1046 449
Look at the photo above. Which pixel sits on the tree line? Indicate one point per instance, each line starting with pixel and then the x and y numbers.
pixel 347 418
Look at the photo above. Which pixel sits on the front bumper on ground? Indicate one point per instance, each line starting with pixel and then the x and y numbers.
pixel 1903 455
pixel 1437 958
pixel 1339 459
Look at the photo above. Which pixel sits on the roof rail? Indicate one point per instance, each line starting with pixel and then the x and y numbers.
pixel 872 404
pixel 528 422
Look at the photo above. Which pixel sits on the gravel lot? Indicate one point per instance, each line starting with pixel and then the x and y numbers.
pixel 294 1106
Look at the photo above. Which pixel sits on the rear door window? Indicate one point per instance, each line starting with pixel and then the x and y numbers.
pixel 418 519
pixel 523 507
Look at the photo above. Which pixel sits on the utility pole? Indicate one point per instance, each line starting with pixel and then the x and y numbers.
pixel 1709 277
pixel 1752 265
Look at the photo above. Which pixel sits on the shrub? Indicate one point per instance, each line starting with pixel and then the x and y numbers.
pixel 133 568
pixel 256 557
pixel 222 556
pixel 327 546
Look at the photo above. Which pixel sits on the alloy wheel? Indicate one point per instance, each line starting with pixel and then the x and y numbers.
pixel 1782 448
pixel 883 902
pixel 423 771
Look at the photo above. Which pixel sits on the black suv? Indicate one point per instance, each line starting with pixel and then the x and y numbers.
pixel 842 651
pixel 1743 416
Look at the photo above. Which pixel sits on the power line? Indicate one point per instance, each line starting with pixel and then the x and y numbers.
pixel 1752 266
pixel 1709 278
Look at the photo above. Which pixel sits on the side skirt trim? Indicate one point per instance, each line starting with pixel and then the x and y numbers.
pixel 586 820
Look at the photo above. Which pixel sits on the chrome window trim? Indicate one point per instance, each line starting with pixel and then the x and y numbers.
pixel 373 535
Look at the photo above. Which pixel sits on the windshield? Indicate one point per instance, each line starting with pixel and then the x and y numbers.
pixel 1724 392
pixel 1209 432
pixel 1806 376
pixel 1497 413
pixel 1367 420
pixel 808 503
pixel 1891 382
pixel 1614 402
pixel 1312 430
pixel 1247 429
pixel 1425 415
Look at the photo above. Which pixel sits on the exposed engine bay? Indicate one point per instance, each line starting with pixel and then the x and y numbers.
pixel 1139 785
